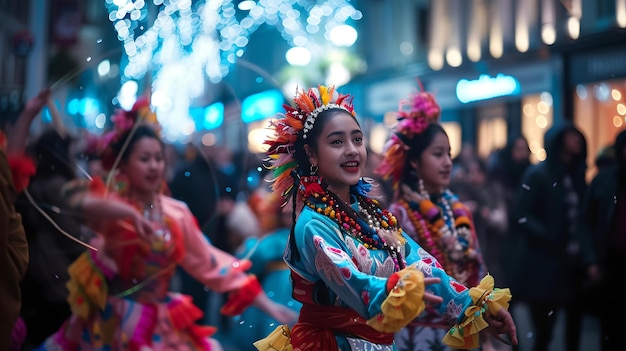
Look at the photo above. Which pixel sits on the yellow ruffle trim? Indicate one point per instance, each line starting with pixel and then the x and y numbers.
pixel 486 298
pixel 87 286
pixel 403 304
pixel 278 340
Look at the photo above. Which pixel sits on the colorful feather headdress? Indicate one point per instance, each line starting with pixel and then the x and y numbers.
pixel 414 115
pixel 295 123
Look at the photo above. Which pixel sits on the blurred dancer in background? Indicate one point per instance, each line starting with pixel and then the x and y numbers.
pixel 419 166
pixel 119 290
pixel 266 254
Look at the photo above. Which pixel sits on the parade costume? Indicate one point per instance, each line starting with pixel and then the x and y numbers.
pixel 359 277
pixel 440 223
pixel 119 292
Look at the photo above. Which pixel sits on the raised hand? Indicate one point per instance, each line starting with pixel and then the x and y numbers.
pixel 431 298
pixel 18 133
pixel 502 323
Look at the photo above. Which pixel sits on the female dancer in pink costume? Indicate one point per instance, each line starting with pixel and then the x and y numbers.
pixel 119 289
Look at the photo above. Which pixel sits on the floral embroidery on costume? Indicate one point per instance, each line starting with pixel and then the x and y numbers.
pixel 328 260
pixel 361 256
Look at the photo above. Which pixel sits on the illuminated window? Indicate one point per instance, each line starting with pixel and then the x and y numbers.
pixel 492 134
pixel 600 114
pixel 537 118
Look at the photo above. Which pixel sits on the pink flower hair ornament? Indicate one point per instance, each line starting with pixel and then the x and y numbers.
pixel 414 115
pixel 295 123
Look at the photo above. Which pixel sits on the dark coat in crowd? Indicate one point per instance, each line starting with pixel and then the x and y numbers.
pixel 543 255
pixel 44 293
pixel 599 208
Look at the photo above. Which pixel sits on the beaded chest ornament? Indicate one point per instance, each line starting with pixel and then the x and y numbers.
pixel 373 226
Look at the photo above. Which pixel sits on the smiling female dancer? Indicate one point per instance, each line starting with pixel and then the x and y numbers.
pixel 357 274
pixel 119 290
pixel 418 164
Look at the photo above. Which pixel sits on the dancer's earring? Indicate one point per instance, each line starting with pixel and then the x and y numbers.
pixel 421 189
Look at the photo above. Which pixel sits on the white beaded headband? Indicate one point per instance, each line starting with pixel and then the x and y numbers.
pixel 310 119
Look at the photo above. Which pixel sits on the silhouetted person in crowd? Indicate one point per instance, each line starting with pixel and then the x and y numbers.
pixel 16 168
pixel 603 238
pixel 45 214
pixel 549 266
pixel 605 158
pixel 506 167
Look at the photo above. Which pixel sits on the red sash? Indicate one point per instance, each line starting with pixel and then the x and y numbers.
pixel 317 325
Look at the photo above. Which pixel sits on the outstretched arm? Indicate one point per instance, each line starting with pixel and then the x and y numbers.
pixel 84 197
pixel 281 313
pixel 222 272
pixel 57 121
pixel 18 134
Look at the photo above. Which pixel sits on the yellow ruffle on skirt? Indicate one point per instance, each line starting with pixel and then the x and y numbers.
pixel 87 286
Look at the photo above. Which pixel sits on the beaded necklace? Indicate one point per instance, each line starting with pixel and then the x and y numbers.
pixel 376 228
pixel 153 212
pixel 443 229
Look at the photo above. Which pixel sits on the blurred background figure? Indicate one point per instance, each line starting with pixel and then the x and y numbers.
pixel 265 251
pixel 486 200
pixel 549 276
pixel 209 188
pixel 605 158
pixel 45 215
pixel 466 155
pixel 603 237
pixel 381 189
pixel 506 168
pixel 16 168
pixel 195 183
pixel 14 260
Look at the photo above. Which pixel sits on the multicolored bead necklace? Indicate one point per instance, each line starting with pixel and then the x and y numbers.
pixel 436 223
pixel 376 228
